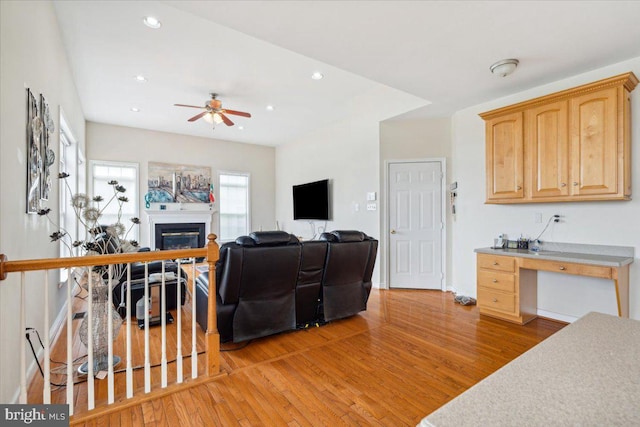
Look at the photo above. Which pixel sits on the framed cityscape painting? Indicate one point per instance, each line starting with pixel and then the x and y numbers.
pixel 173 183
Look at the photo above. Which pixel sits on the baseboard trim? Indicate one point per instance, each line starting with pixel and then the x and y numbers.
pixel 556 316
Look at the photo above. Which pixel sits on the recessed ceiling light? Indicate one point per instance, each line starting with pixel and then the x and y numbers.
pixel 140 78
pixel 135 110
pixel 317 75
pixel 240 127
pixel 270 108
pixel 152 22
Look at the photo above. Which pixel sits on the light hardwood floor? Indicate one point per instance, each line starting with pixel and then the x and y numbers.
pixel 407 355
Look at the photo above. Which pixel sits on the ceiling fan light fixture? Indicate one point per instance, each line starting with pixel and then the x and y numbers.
pixel 504 67
pixel 152 22
pixel 217 118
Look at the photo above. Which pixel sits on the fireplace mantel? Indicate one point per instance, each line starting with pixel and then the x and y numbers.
pixel 176 217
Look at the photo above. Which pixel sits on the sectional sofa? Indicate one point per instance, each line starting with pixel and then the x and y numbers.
pixel 270 282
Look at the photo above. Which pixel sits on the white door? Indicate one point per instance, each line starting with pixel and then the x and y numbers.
pixel 415 225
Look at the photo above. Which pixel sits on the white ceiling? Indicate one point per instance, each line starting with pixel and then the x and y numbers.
pixel 407 58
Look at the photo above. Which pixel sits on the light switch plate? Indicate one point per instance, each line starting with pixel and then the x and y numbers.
pixel 371 196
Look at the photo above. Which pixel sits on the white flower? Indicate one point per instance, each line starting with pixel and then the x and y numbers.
pixel 80 201
pixel 117 229
pixel 91 214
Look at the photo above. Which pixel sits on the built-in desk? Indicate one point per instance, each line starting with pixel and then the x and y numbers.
pixel 507 278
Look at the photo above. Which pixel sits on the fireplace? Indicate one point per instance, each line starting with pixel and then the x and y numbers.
pixel 179 228
pixel 180 236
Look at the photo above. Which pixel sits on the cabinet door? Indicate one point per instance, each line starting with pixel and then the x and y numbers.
pixel 504 139
pixel 595 143
pixel 548 149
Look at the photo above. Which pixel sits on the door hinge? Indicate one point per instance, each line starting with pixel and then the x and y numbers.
pixel 442 226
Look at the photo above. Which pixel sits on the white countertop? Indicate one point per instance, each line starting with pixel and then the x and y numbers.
pixel 594 259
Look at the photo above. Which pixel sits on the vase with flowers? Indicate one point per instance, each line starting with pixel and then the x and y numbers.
pixel 99 239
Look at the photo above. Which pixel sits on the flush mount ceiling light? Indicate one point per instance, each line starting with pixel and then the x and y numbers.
pixel 317 75
pixel 505 67
pixel 152 22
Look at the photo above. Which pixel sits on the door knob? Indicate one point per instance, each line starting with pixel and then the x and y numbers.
pixel 393 231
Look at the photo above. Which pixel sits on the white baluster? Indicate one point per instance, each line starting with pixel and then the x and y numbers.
pixel 163 322
pixel 23 328
pixel 194 350
pixel 129 362
pixel 46 391
pixel 147 363
pixel 179 326
pixel 90 373
pixel 70 342
pixel 110 386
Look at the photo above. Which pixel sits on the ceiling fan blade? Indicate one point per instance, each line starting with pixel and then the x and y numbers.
pixel 237 113
pixel 184 105
pixel 226 120
pixel 197 116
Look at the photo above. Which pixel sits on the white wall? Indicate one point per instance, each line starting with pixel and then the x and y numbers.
pixel 605 223
pixel 118 143
pixel 414 139
pixel 31 55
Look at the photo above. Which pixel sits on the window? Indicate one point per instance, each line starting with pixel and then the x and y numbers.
pixel 127 175
pixel 234 205
pixel 71 162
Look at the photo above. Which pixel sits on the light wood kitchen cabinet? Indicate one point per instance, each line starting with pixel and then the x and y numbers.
pixel 505 150
pixel 548 149
pixel 504 291
pixel 573 145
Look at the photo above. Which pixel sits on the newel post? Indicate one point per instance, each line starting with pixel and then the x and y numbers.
pixel 212 335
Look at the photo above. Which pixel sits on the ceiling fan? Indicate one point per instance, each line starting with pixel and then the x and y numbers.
pixel 213 112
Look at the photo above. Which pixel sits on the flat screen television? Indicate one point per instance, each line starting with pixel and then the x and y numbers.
pixel 311 200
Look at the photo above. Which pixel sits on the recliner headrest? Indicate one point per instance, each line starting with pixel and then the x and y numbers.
pixel 349 235
pixel 245 241
pixel 271 238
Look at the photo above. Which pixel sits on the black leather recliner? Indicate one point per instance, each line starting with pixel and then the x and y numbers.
pixel 269 282
pixel 346 282
pixel 256 278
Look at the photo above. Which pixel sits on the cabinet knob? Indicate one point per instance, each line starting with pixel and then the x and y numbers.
pixel 495 280
pixel 575 184
pixel 519 188
pixel 393 231
pixel 564 184
pixel 495 262
pixel 495 300
pixel 562 268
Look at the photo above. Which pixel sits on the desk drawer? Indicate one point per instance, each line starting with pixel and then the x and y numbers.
pixel 496 262
pixel 495 300
pixel 567 267
pixel 497 280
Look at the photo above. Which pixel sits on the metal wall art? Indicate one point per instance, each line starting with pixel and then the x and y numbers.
pixel 40 156
pixel 34 157
pixel 48 155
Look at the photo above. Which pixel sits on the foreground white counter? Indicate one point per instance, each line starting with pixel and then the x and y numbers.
pixel 586 374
